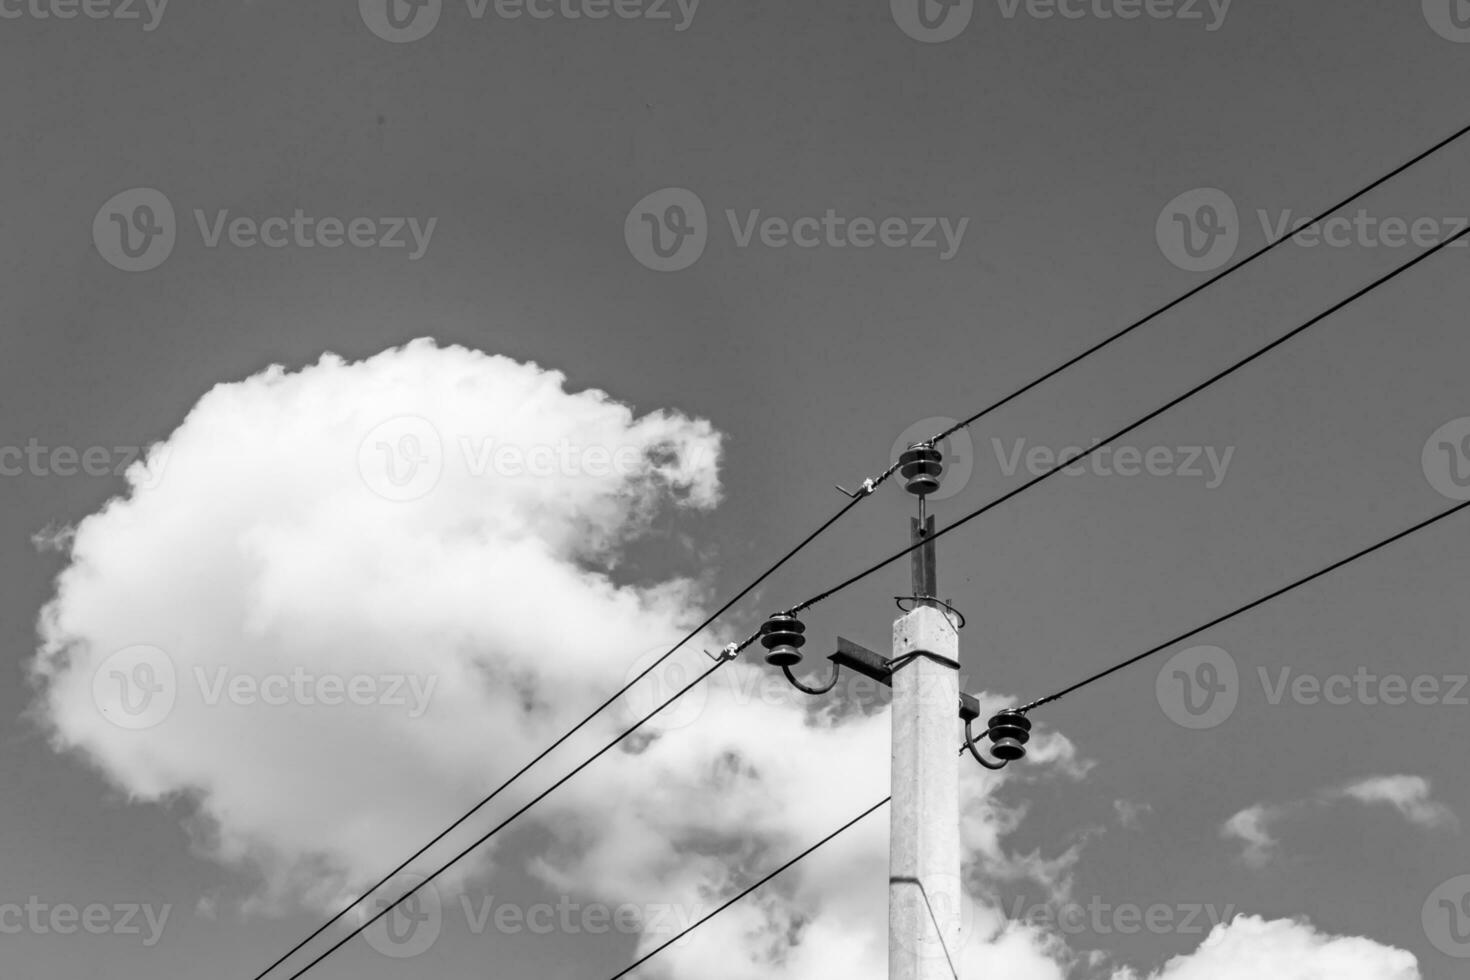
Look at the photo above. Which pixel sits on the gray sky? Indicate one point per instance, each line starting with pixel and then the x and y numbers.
pixel 1059 142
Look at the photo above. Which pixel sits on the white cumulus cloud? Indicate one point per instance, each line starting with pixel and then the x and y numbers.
pixel 1251 948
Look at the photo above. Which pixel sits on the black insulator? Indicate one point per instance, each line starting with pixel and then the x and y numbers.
pixel 921 466
pixel 1009 732
pixel 782 637
pixel 1011 725
pixel 1008 749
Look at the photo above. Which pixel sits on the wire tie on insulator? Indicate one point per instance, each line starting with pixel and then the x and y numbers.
pixel 869 485
pixel 727 652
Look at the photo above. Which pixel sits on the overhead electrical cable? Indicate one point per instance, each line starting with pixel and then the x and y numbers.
pixel 1246 608
pixel 1073 460
pixel 508 820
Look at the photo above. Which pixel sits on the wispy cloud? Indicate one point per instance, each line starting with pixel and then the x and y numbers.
pixel 1252 825
pixel 1411 796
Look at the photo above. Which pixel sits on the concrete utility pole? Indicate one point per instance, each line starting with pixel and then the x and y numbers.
pixel 925 893
pixel 926 897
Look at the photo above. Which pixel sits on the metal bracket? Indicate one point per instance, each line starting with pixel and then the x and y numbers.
pixel 969 707
pixel 880 668
pixel 862 660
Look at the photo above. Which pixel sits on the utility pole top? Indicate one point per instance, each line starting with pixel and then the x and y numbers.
pixel 923 560
pixel 925 892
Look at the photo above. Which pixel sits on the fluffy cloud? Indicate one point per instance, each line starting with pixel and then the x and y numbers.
pixel 1249 948
pixel 438 520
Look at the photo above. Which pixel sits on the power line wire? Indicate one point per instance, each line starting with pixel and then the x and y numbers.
pixel 690 928
pixel 1035 704
pixel 1219 376
pixel 1247 607
pixel 537 799
pixel 1228 270
pixel 569 733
